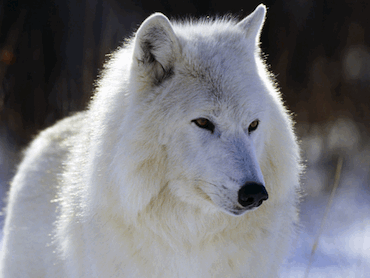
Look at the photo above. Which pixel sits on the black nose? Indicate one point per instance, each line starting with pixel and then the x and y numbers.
pixel 252 194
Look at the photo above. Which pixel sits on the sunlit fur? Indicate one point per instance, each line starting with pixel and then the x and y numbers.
pixel 132 187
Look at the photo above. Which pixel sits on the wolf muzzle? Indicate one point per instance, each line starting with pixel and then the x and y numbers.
pixel 252 195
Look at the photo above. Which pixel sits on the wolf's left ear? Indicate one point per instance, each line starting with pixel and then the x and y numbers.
pixel 156 48
pixel 252 24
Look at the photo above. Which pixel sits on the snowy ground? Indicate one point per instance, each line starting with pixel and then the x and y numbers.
pixel 343 237
pixel 343 247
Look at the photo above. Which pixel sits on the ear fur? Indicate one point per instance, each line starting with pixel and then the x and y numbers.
pixel 156 48
pixel 253 23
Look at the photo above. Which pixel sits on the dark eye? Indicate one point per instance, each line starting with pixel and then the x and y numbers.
pixel 253 126
pixel 204 123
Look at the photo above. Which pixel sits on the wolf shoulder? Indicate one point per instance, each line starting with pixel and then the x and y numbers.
pixel 32 200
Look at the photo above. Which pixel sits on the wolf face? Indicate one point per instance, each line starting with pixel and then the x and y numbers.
pixel 208 86
pixel 215 149
pixel 224 166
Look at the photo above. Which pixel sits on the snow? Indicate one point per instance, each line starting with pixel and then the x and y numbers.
pixel 343 247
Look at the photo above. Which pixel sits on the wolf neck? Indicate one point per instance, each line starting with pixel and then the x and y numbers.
pixel 180 223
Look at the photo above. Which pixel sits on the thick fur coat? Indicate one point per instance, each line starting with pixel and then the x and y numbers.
pixel 154 178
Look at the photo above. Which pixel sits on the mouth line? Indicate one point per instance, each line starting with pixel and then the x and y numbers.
pixel 239 211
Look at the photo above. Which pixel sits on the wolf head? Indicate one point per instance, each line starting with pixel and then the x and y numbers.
pixel 201 115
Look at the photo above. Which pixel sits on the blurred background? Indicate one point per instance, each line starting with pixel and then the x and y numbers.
pixel 51 53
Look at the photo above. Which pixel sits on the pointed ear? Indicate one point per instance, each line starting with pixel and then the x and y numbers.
pixel 253 23
pixel 156 48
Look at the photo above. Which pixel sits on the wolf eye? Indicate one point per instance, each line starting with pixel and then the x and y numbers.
pixel 204 123
pixel 253 126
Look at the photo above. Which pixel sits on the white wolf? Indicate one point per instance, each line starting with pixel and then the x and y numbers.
pixel 165 173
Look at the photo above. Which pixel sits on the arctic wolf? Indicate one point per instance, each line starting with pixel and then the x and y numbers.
pixel 185 164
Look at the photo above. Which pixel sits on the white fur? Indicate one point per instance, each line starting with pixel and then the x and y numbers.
pixel 132 187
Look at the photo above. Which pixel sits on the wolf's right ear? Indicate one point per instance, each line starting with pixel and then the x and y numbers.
pixel 155 49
